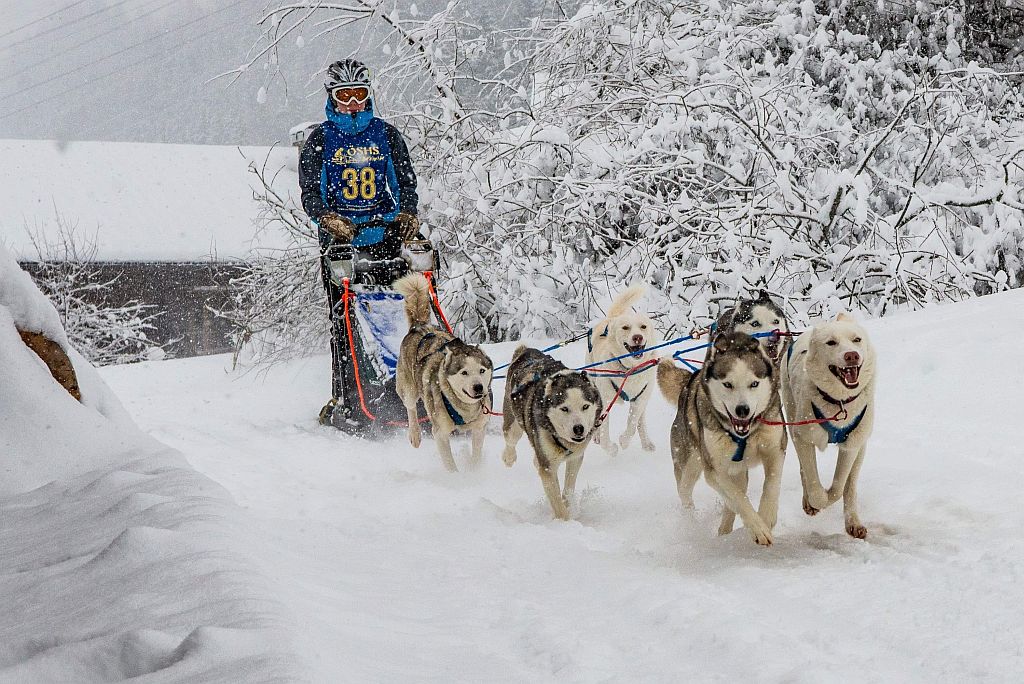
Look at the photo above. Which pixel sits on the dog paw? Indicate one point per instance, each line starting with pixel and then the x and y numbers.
pixel 647 446
pixel 809 509
pixel 762 536
pixel 611 448
pixel 509 457
pixel 415 438
pixel 624 441
pixel 816 500
pixel 856 530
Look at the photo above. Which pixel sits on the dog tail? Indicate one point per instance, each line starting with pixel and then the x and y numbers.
pixel 626 299
pixel 671 380
pixel 416 290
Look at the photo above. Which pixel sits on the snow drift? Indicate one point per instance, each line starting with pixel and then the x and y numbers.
pixel 119 560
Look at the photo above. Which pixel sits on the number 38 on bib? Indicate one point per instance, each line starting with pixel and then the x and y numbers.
pixel 359 183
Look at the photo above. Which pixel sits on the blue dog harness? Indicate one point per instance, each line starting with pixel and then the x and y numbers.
pixel 741 447
pixel 837 435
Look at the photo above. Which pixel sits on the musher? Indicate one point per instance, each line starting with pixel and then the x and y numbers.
pixel 357 180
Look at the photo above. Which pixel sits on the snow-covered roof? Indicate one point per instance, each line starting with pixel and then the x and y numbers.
pixel 138 201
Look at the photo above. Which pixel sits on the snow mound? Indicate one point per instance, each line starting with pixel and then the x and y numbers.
pixel 119 560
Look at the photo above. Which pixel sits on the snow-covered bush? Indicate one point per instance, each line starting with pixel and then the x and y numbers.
pixel 279 307
pixel 103 333
pixel 840 156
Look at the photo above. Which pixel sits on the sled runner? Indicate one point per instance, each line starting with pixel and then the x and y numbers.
pixel 367 326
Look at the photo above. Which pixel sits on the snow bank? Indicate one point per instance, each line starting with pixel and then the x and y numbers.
pixel 140 201
pixel 128 562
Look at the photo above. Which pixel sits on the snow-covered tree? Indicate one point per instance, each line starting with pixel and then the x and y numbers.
pixel 841 154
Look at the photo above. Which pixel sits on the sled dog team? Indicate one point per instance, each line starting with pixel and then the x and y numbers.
pixel 732 415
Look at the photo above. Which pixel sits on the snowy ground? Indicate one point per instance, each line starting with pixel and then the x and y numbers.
pixel 402 572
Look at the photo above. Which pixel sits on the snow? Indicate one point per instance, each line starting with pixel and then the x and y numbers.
pixel 119 560
pixel 399 571
pixel 138 201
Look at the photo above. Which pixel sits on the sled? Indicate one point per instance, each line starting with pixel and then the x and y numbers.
pixel 368 324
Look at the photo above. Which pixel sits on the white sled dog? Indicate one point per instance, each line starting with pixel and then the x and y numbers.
pixel 452 378
pixel 624 331
pixel 831 369
pixel 557 408
pixel 718 429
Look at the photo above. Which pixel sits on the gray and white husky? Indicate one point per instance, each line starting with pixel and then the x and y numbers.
pixel 831 369
pixel 718 429
pixel 558 409
pixel 452 378
pixel 758 315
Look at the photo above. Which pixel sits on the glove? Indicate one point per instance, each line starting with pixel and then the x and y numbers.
pixel 408 226
pixel 338 226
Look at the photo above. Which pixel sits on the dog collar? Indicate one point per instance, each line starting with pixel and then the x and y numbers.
pixel 837 435
pixel 832 400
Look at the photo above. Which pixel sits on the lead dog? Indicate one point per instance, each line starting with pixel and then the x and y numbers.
pixel 624 331
pixel 452 378
pixel 831 371
pixel 557 409
pixel 718 430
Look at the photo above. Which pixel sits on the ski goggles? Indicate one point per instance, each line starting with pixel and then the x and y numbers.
pixel 348 94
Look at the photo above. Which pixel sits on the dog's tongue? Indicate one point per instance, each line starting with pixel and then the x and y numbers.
pixel 850 375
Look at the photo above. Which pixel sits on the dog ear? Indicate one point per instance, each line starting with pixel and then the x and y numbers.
pixel 763 296
pixel 844 317
pixel 722 343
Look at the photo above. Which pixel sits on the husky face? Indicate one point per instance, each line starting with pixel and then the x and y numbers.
pixel 841 354
pixel 738 376
pixel 761 315
pixel 630 333
pixel 572 405
pixel 468 371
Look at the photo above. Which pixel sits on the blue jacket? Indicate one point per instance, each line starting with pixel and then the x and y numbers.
pixel 357 166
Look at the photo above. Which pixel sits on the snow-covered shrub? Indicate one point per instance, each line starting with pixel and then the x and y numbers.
pixel 838 156
pixel 279 308
pixel 103 333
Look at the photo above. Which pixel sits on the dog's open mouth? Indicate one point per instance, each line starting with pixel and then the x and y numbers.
pixel 773 345
pixel 474 397
pixel 740 426
pixel 848 375
pixel 634 348
pixel 579 440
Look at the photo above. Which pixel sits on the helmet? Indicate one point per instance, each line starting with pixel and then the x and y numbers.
pixel 347 72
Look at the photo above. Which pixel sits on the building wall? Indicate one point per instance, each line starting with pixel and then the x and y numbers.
pixel 181 292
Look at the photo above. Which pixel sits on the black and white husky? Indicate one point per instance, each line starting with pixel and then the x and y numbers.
pixel 718 429
pixel 758 315
pixel 557 408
